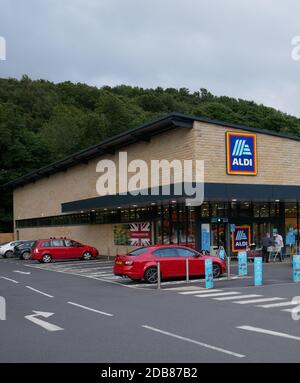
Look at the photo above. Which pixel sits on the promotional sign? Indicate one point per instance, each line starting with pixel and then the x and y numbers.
pixel 258 273
pixel 242 263
pixel 205 237
pixel 241 153
pixel 232 228
pixel 296 268
pixel 241 238
pixel 209 277
pixel 132 234
pixel 290 238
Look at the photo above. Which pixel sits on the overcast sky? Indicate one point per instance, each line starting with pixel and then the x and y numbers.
pixel 239 48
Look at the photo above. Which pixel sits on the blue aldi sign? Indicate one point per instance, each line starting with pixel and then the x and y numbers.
pixel 241 238
pixel 241 153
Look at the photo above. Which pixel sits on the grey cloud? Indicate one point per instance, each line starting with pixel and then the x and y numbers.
pixel 232 47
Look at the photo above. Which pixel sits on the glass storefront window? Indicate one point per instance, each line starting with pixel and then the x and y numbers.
pixel 205 210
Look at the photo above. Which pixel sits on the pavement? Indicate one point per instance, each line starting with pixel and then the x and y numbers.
pixel 79 311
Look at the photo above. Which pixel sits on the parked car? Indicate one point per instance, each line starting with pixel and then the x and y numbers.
pixel 23 250
pixel 46 250
pixel 7 248
pixel 142 263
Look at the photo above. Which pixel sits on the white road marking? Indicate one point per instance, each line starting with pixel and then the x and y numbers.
pixel 40 292
pixel 259 300
pixel 269 332
pixel 194 341
pixel 46 325
pixel 216 295
pixel 22 272
pixel 90 309
pixel 10 280
pixel 203 291
pixel 237 297
pixel 281 304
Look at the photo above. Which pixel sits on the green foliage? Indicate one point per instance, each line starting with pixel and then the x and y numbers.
pixel 41 122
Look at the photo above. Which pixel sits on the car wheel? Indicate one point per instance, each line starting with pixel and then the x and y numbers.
pixel 150 275
pixel 26 256
pixel 46 258
pixel 217 271
pixel 87 256
pixel 8 254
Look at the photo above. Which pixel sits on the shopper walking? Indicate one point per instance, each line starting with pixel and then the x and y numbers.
pixel 266 242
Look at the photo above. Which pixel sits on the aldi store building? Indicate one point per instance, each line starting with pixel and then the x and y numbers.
pixel 251 185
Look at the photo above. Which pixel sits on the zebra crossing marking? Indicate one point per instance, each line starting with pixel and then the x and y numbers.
pixel 198 292
pixel 259 300
pixel 281 304
pixel 237 297
pixel 216 295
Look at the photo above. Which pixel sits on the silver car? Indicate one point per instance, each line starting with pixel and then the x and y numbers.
pixel 7 248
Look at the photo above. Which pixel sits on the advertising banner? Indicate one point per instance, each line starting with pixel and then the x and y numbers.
pixel 296 268
pixel 241 238
pixel 258 273
pixel 242 263
pixel 209 277
pixel 132 234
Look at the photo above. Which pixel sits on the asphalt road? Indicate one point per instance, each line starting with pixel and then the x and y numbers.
pixel 94 319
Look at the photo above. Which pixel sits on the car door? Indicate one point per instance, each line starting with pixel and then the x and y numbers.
pixel 73 249
pixel 196 263
pixel 58 249
pixel 170 262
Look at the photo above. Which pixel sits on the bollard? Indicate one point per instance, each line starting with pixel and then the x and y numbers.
pixel 158 276
pixel 209 277
pixel 258 273
pixel 187 272
pixel 228 269
pixel 242 263
pixel 296 268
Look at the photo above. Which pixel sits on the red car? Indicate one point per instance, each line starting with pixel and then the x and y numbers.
pixel 47 250
pixel 142 263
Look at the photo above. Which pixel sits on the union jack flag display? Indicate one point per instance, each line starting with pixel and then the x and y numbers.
pixel 140 234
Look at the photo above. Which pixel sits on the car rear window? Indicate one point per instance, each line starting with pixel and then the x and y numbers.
pixel 139 251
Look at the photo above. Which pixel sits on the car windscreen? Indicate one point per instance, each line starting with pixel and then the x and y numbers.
pixel 139 251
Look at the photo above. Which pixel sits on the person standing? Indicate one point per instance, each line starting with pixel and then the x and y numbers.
pixel 279 245
pixel 266 242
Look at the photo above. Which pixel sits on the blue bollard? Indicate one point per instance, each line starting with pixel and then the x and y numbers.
pixel 258 272
pixel 296 268
pixel 242 263
pixel 209 277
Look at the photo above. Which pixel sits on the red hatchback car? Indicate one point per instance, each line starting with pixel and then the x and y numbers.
pixel 142 263
pixel 47 250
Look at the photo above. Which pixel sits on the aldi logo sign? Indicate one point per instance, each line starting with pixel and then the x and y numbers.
pixel 241 153
pixel 241 238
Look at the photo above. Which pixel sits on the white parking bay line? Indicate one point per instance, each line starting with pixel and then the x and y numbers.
pixel 203 291
pixel 269 332
pixel 237 297
pixel 194 341
pixel 259 300
pixel 90 309
pixel 281 304
pixel 216 295
pixel 40 292
pixel 9 279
